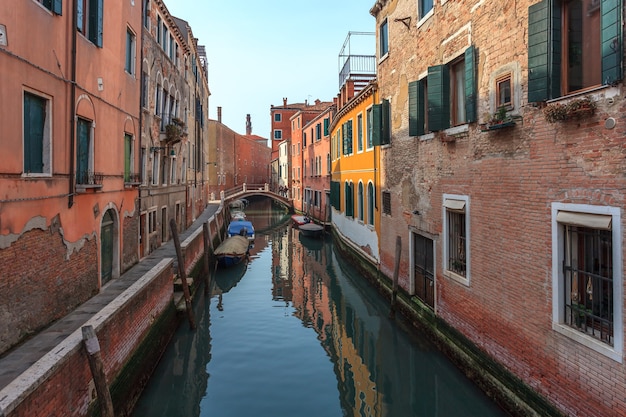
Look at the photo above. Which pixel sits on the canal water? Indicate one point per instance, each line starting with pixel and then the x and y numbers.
pixel 297 332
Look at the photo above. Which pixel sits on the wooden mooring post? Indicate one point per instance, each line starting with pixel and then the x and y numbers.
pixel 92 346
pixel 396 269
pixel 182 274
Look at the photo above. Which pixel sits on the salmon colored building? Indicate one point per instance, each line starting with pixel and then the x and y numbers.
pixel 316 166
pixel 70 123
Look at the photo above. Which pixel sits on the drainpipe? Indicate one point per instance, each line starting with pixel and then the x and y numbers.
pixel 72 186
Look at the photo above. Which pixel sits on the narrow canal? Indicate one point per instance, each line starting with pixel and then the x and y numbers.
pixel 296 332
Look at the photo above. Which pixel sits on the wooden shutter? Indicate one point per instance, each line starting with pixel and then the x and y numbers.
pixel 544 51
pixel 385 123
pixel 95 22
pixel 34 120
pixel 470 84
pixel 376 124
pixel 326 122
pixel 57 6
pixel 611 41
pixel 416 108
pixel 349 135
pixel 438 97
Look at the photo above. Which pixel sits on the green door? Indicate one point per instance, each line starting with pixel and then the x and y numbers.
pixel 82 152
pixel 106 247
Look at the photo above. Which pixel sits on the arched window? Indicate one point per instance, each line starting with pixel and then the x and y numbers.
pixel 349 199
pixel 370 203
pixel 360 201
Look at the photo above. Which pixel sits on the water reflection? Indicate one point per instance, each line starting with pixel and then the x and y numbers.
pixel 301 333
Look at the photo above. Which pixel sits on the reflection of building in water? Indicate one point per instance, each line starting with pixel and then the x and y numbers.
pixel 281 260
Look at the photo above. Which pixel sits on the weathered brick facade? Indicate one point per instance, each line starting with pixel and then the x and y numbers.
pixel 507 302
pixel 35 293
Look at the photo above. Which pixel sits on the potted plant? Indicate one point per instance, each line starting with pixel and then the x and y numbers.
pixel 575 109
pixel 173 132
pixel 498 120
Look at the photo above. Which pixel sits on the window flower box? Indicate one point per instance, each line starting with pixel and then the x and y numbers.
pixel 576 109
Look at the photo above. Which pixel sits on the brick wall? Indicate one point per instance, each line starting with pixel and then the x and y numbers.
pixel 34 294
pixel 63 386
pixel 511 178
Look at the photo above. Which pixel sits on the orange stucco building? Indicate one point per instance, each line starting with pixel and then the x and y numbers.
pixel 70 122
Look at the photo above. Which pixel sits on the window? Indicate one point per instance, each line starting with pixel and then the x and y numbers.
pixel 359 132
pixel 37 135
pixel 504 93
pixel 155 168
pixel 425 6
pixel 360 201
pixel 371 198
pixel 318 132
pixel 455 235
pixel 152 221
pixel 129 63
pixel 84 152
pixel 346 136
pixel 89 14
pixel 328 163
pixel 146 14
pixel 451 93
pixel 173 168
pixel 573 45
pixel 587 276
pixel 144 90
pixel 128 158
pixel 418 107
pixel 278 117
pixel 278 134
pixel 159 27
pixel 384 39
pixel 370 127
pixel 386 203
pixel 171 47
pixel 304 140
pixel 326 124
pixel 54 6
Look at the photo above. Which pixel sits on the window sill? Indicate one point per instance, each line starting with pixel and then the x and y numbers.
pixel 85 188
pixel 425 18
pixel 456 277
pixel 427 136
pixel 591 343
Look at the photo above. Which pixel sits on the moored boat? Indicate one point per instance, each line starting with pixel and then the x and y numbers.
pixel 241 227
pixel 311 229
pixel 232 250
pixel 299 219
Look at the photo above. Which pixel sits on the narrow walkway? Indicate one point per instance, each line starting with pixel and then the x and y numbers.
pixel 22 357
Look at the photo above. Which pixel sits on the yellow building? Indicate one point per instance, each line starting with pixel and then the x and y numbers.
pixel 357 133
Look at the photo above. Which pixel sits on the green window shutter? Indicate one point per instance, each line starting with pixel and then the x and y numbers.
pixel 438 97
pixel 416 108
pixel 544 51
pixel 611 40
pixel 470 84
pixel 385 125
pixel 128 150
pixel 334 194
pixel 376 124
pixel 326 123
pixel 349 134
pixel 57 6
pixel 34 120
pixel 96 15
pixel 343 140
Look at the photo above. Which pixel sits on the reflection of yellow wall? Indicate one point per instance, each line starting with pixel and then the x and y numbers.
pixel 366 395
pixel 361 165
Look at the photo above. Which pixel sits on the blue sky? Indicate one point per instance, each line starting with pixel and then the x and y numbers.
pixel 262 51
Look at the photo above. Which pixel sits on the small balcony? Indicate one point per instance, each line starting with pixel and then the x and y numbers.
pixel 173 129
pixel 132 179
pixel 88 180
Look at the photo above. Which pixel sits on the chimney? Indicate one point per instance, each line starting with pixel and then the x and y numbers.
pixel 317 101
pixel 219 114
pixel 248 125
pixel 284 101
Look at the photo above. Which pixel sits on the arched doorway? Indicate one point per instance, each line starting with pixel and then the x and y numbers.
pixel 107 240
